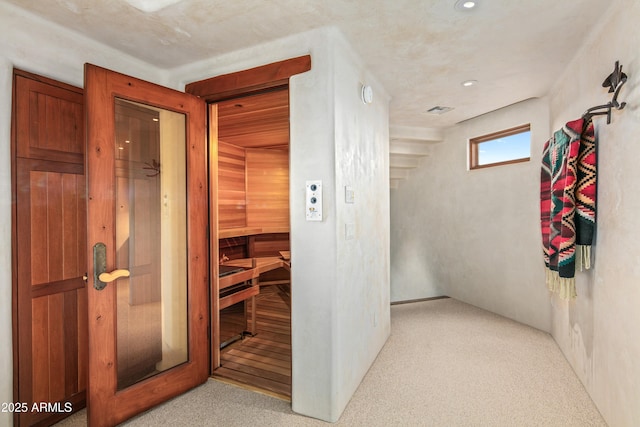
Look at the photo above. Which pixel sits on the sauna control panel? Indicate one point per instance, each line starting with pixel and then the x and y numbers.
pixel 314 200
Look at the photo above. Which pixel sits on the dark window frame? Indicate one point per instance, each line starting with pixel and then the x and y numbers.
pixel 474 143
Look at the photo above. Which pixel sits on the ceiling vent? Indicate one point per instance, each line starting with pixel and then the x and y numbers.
pixel 439 110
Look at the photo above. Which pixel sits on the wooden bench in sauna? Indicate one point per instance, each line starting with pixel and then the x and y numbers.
pixel 239 281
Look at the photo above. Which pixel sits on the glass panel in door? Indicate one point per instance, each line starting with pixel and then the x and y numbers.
pixel 150 241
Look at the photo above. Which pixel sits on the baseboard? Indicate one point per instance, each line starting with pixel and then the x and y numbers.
pixel 418 300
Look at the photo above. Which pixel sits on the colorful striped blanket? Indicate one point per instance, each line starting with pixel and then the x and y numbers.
pixel 568 203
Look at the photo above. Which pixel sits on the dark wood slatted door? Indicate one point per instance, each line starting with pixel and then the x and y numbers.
pixel 49 249
pixel 148 209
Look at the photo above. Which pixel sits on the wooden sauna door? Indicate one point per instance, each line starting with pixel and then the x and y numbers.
pixel 147 231
pixel 49 250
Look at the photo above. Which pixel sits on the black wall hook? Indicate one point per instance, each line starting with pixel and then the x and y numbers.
pixel 614 82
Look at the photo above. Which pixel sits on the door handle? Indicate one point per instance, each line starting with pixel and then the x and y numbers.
pixel 100 275
pixel 115 274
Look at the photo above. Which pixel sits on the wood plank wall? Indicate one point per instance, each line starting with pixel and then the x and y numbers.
pixel 233 247
pixel 232 192
pixel 253 187
pixel 267 188
pixel 266 245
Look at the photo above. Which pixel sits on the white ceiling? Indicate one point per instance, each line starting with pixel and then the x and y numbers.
pixel 420 50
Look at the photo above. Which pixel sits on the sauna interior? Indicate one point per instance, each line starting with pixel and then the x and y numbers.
pixel 251 304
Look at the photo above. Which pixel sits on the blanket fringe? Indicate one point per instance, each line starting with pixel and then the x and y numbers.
pixel 585 256
pixel 565 287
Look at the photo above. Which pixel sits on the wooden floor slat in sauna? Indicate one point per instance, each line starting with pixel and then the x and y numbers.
pixel 264 360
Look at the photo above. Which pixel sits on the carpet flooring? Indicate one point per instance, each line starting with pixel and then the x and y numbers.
pixel 446 363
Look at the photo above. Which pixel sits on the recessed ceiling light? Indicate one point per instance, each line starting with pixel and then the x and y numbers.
pixel 150 6
pixel 469 83
pixel 465 4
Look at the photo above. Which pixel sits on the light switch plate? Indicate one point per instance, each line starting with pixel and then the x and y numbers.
pixel 349 194
pixel 349 231
pixel 314 200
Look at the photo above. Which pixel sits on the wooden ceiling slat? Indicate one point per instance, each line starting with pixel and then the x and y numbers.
pixel 258 121
pixel 260 139
pixel 255 121
pixel 250 129
pixel 273 99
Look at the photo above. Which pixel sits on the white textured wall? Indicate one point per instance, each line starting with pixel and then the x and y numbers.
pixel 362 163
pixel 599 332
pixel 34 45
pixel 337 139
pixel 313 244
pixel 474 235
pixel 6 360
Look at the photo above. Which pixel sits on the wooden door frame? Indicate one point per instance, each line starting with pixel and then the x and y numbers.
pixel 243 83
pixel 212 90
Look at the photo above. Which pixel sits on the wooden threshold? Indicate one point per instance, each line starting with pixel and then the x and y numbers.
pixel 263 362
pixel 251 388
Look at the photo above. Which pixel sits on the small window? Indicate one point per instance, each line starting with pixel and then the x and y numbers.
pixel 500 148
